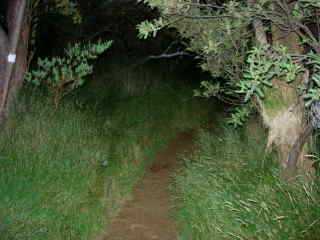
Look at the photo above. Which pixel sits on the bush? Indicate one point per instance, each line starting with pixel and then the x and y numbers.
pixel 62 75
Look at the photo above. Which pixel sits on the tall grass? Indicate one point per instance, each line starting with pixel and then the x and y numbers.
pixel 65 172
pixel 231 189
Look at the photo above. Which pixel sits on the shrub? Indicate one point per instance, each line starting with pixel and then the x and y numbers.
pixel 61 75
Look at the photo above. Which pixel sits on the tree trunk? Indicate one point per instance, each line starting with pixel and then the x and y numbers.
pixel 283 113
pixel 3 56
pixel 21 65
pixel 13 53
pixel 282 110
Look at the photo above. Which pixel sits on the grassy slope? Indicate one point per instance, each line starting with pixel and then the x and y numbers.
pixel 63 171
pixel 230 189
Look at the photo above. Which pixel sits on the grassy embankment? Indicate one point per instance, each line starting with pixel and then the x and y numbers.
pixel 230 189
pixel 65 172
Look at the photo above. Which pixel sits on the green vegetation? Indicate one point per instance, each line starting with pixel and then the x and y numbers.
pixel 231 37
pixel 230 189
pixel 253 48
pixel 68 165
pixel 65 172
pixel 62 75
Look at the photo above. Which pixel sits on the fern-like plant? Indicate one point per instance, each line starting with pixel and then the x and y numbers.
pixel 62 75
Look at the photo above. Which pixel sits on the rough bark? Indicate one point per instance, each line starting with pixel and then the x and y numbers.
pixel 298 147
pixel 3 55
pixel 287 121
pixel 282 110
pixel 21 66
pixel 12 72
pixel 260 34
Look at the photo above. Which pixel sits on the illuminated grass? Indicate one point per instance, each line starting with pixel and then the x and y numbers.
pixel 65 172
pixel 230 189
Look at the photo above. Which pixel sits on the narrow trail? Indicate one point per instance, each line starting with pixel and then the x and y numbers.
pixel 147 215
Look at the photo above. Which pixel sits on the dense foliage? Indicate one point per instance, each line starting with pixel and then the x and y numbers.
pixel 62 75
pixel 222 33
pixel 63 168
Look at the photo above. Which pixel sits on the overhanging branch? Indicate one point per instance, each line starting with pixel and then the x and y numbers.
pixel 169 55
pixel 165 56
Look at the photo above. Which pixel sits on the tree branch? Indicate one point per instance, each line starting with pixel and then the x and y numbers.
pixel 205 5
pixel 169 55
pixel 164 56
pixel 258 27
pixel 202 16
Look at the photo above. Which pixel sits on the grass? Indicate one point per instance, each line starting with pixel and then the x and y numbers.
pixel 64 173
pixel 230 189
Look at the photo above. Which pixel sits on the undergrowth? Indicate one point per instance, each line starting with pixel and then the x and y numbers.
pixel 64 172
pixel 231 189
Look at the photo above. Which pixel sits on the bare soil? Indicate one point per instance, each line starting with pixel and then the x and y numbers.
pixel 147 215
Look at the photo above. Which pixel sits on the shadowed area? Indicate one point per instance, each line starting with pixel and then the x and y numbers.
pixel 146 216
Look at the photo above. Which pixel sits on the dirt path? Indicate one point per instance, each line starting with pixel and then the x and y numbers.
pixel 146 216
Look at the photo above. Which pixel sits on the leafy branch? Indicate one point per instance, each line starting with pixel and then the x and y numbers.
pixel 62 75
pixel 265 64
